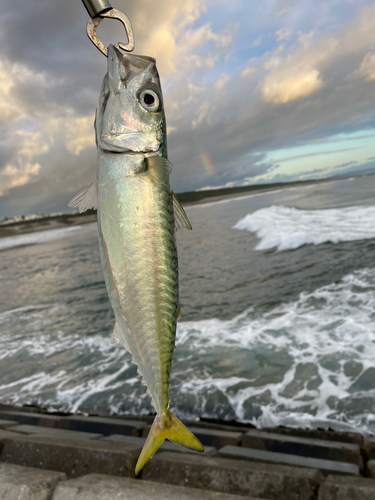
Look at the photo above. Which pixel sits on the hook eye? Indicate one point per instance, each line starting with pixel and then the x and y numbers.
pixel 114 14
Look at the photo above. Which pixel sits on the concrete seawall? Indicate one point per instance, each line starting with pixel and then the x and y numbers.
pixel 46 456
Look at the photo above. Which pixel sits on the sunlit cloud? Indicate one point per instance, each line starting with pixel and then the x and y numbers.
pixel 238 80
pixel 280 89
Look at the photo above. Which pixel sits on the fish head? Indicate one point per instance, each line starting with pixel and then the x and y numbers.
pixel 130 113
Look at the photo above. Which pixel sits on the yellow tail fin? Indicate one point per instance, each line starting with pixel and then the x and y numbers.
pixel 166 427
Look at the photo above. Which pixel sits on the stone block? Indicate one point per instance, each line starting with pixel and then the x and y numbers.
pixel 26 483
pixel 325 466
pixel 347 488
pixel 7 433
pixel 4 424
pixel 369 447
pixel 26 408
pixel 102 425
pixel 329 435
pixel 294 445
pixel 31 418
pixel 230 426
pixel 371 468
pixel 72 456
pixel 166 446
pixel 236 477
pixel 101 487
pixel 51 432
pixel 215 437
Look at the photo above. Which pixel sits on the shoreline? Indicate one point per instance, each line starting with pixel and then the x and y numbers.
pixel 188 200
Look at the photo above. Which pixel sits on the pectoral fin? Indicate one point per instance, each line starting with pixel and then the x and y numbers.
pixel 158 168
pixel 86 199
pixel 180 217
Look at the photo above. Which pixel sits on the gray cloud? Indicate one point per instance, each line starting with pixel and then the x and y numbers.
pixel 235 124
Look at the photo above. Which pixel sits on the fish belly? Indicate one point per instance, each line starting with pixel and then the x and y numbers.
pixel 139 258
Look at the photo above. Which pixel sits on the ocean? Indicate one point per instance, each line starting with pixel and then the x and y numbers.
pixel 277 294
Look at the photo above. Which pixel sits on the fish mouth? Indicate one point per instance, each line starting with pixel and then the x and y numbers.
pixel 135 142
pixel 112 149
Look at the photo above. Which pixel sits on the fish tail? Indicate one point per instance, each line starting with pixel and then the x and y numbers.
pixel 164 427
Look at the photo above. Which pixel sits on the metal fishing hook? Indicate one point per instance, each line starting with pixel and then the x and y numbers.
pixel 100 9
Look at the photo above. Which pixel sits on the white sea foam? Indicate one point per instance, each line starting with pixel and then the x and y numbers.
pixel 305 363
pixel 315 349
pixel 41 236
pixel 289 228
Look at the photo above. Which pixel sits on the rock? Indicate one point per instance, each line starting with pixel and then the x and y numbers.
pixel 330 435
pixel 312 448
pixel 101 487
pixel 103 425
pixel 325 466
pixel 215 437
pixel 347 488
pixel 51 432
pixel 4 424
pixel 31 418
pixel 371 468
pixel 237 477
pixel 369 447
pixel 26 483
pixel 72 456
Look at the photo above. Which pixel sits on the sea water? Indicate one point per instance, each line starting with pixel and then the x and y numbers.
pixel 278 314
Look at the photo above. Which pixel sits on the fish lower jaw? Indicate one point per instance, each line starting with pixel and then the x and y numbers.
pixel 127 151
pixel 128 144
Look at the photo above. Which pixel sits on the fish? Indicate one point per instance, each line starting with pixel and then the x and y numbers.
pixel 138 215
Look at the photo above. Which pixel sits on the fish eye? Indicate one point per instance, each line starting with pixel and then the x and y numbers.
pixel 150 100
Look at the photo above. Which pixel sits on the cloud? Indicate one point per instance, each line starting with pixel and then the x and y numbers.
pixel 223 95
pixel 282 88
pixel 222 81
pixel 367 68
pixel 283 34
pixel 247 72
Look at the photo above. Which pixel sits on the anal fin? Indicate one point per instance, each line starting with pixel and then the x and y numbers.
pixel 118 337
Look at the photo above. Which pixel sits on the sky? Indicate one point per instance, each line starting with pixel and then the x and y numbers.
pixel 254 92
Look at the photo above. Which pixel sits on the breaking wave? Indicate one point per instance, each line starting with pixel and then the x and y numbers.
pixel 305 363
pixel 289 228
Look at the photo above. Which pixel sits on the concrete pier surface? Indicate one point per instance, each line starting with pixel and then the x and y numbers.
pixel 47 456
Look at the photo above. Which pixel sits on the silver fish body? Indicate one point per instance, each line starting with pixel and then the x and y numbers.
pixel 139 258
pixel 137 215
